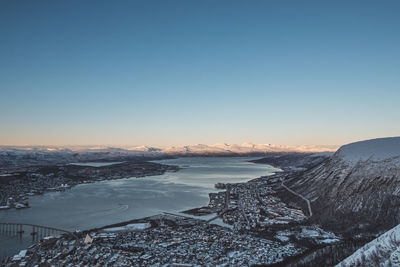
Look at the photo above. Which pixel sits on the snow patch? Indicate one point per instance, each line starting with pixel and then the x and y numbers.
pixel 129 227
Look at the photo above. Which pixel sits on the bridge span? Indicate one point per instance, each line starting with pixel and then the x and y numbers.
pixel 37 231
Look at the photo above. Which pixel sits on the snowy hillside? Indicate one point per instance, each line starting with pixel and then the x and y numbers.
pixel 375 149
pixel 382 251
pixel 359 183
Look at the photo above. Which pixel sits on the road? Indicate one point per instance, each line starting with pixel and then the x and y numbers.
pixel 297 194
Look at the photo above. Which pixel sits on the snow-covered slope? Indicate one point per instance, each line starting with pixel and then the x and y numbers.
pixel 359 183
pixel 382 251
pixel 375 149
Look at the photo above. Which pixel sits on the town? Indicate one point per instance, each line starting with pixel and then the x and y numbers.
pixel 264 230
pixel 254 206
pixel 170 240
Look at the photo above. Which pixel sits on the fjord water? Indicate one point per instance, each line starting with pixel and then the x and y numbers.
pixel 98 204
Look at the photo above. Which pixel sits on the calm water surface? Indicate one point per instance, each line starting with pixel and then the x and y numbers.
pixel 94 205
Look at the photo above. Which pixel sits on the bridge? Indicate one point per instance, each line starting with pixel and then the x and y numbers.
pixel 37 231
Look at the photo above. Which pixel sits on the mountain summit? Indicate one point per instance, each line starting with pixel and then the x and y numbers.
pixel 375 149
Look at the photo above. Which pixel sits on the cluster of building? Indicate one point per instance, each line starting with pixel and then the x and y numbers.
pixel 15 193
pixel 18 187
pixel 253 206
pixel 168 241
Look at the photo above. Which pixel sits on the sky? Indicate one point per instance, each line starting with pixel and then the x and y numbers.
pixel 187 72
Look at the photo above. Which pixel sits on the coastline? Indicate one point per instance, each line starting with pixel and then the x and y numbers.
pixel 40 180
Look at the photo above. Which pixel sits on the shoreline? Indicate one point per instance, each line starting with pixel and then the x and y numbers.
pixel 44 179
pixel 199 211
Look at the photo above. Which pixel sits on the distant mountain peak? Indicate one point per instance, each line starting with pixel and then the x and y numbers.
pixel 245 148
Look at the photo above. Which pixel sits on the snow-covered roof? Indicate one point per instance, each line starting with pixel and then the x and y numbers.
pixel 129 227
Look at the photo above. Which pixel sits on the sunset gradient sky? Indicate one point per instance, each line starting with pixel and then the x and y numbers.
pixel 184 72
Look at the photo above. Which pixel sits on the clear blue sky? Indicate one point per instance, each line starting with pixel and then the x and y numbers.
pixel 183 72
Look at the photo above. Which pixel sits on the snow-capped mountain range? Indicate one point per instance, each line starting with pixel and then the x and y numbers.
pixel 18 156
pixel 245 148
